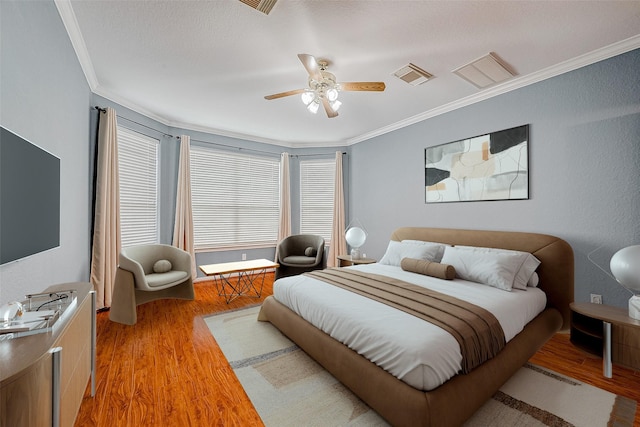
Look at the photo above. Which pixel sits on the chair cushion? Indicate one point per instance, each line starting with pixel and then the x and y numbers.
pixel 299 260
pixel 162 266
pixel 311 251
pixel 162 279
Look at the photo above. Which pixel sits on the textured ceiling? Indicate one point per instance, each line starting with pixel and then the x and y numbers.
pixel 207 65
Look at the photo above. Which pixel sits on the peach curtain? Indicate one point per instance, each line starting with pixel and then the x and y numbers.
pixel 338 244
pixel 284 226
pixel 183 227
pixel 106 232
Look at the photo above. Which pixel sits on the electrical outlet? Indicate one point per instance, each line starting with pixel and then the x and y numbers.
pixel 596 299
pixel 244 257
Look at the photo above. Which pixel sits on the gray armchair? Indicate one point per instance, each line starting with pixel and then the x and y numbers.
pixel 146 273
pixel 299 253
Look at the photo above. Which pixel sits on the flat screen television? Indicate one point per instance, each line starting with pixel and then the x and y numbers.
pixel 29 198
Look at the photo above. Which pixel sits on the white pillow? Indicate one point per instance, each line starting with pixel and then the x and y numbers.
pixel 498 268
pixel 529 263
pixel 398 250
pixel 162 266
pixel 422 242
pixel 533 280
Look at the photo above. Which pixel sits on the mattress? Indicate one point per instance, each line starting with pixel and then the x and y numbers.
pixel 417 352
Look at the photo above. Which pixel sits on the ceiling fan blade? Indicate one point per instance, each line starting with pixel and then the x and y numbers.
pixel 327 108
pixel 311 65
pixel 363 86
pixel 283 94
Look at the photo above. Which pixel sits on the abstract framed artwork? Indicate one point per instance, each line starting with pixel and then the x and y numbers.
pixel 494 166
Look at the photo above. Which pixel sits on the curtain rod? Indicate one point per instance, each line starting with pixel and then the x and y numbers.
pixel 258 151
pixel 315 154
pixel 234 147
pixel 104 110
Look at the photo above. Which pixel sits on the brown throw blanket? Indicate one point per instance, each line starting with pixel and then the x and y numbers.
pixel 477 330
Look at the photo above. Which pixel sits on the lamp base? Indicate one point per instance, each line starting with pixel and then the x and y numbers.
pixel 355 254
pixel 634 307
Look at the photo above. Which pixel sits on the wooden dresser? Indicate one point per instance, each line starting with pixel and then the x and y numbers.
pixel 28 373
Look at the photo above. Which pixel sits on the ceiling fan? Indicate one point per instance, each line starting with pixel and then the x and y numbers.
pixel 323 88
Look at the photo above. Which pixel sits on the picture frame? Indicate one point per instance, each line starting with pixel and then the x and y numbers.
pixel 492 166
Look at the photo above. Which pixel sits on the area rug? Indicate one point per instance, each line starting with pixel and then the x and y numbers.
pixel 288 388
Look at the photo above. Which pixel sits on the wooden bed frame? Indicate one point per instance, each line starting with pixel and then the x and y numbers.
pixel 455 401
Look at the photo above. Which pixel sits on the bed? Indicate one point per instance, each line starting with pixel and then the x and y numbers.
pixel 454 401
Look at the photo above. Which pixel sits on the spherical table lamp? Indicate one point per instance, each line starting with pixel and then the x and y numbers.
pixel 355 237
pixel 10 312
pixel 625 266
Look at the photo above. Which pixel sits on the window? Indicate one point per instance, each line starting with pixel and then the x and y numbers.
pixel 138 164
pixel 235 199
pixel 317 183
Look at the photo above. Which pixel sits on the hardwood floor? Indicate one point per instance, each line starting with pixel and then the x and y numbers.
pixel 167 370
pixel 559 355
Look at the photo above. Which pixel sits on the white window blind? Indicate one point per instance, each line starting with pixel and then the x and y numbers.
pixel 138 164
pixel 317 184
pixel 235 199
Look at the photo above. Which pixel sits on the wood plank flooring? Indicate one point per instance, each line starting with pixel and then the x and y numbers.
pixel 167 370
pixel 559 355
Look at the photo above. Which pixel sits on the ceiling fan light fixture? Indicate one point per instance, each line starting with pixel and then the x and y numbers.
pixel 323 88
pixel 332 94
pixel 313 106
pixel 308 96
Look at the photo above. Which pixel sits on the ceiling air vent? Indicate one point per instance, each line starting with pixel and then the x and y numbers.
pixel 412 74
pixel 263 6
pixel 484 71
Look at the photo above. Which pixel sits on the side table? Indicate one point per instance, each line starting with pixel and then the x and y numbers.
pixel 346 261
pixel 606 331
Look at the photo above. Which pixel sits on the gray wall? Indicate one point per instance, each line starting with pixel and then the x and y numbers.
pixel 44 98
pixel 584 169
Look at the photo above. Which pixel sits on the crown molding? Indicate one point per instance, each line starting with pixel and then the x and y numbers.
pixel 77 41
pixel 510 85
pixel 126 103
pixel 71 25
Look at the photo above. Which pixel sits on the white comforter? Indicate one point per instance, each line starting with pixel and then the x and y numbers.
pixel 415 351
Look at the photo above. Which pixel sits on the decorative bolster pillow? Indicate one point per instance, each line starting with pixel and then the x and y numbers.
pixel 162 266
pixel 429 268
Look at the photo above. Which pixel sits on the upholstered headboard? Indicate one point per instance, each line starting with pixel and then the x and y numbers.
pixel 556 270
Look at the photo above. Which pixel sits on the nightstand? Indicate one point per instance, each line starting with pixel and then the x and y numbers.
pixel 608 332
pixel 346 261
